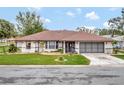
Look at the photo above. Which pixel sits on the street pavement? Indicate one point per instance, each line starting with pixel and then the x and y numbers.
pixel 87 75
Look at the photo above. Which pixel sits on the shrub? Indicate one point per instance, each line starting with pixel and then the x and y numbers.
pixel 12 48
pixel 60 50
pixel 115 51
pixel 114 42
pixel 61 58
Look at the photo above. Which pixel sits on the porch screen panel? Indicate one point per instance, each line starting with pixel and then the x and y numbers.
pixel 52 45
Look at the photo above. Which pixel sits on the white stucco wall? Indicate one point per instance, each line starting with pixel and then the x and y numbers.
pixel 19 44
pixel 77 47
pixel 22 47
pixel 108 48
pixel 34 47
pixel 123 44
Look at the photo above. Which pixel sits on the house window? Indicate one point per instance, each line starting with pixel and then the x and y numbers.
pixel 52 45
pixel 28 45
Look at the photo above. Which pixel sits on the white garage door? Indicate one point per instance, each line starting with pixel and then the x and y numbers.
pixel 91 47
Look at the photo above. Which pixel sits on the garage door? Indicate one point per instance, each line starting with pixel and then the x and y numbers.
pixel 90 47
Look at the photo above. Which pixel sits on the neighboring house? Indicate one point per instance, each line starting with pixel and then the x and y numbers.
pixel 3 42
pixel 69 41
pixel 119 39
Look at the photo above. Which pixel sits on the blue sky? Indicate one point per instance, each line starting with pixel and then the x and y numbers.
pixel 66 17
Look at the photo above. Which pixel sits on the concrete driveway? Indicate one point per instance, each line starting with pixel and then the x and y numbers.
pixel 102 59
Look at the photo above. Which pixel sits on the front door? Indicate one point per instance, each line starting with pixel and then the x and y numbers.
pixel 69 47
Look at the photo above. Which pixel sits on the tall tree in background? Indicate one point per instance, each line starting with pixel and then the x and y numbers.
pixel 84 29
pixel 88 30
pixel 114 24
pixel 29 23
pixel 105 31
pixel 117 23
pixel 122 21
pixel 7 29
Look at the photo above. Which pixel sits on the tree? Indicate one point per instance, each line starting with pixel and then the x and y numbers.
pixel 102 31
pixel 29 23
pixel 117 23
pixel 7 29
pixel 122 21
pixel 86 29
pixel 114 24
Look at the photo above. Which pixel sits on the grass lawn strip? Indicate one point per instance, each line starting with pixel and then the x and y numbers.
pixel 38 59
pixel 6 49
pixel 119 56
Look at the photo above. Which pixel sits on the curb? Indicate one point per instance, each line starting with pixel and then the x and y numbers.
pixel 58 66
pixel 43 66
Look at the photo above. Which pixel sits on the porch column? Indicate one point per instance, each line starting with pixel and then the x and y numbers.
pixel 64 47
pixel 48 46
pixel 38 47
pixel 78 47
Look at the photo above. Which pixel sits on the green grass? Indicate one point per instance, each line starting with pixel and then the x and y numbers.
pixel 3 43
pixel 120 52
pixel 38 59
pixel 1 49
pixel 119 56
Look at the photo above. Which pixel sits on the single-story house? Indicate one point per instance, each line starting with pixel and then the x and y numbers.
pixel 69 41
pixel 119 39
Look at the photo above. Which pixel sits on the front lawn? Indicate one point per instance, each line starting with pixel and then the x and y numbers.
pixel 2 50
pixel 119 56
pixel 38 59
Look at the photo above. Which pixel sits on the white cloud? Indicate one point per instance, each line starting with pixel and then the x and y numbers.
pixel 92 15
pixel 105 24
pixel 90 27
pixel 74 13
pixel 34 8
pixel 113 9
pixel 78 10
pixel 70 14
pixel 46 20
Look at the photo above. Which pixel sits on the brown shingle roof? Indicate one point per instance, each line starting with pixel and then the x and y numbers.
pixel 63 36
